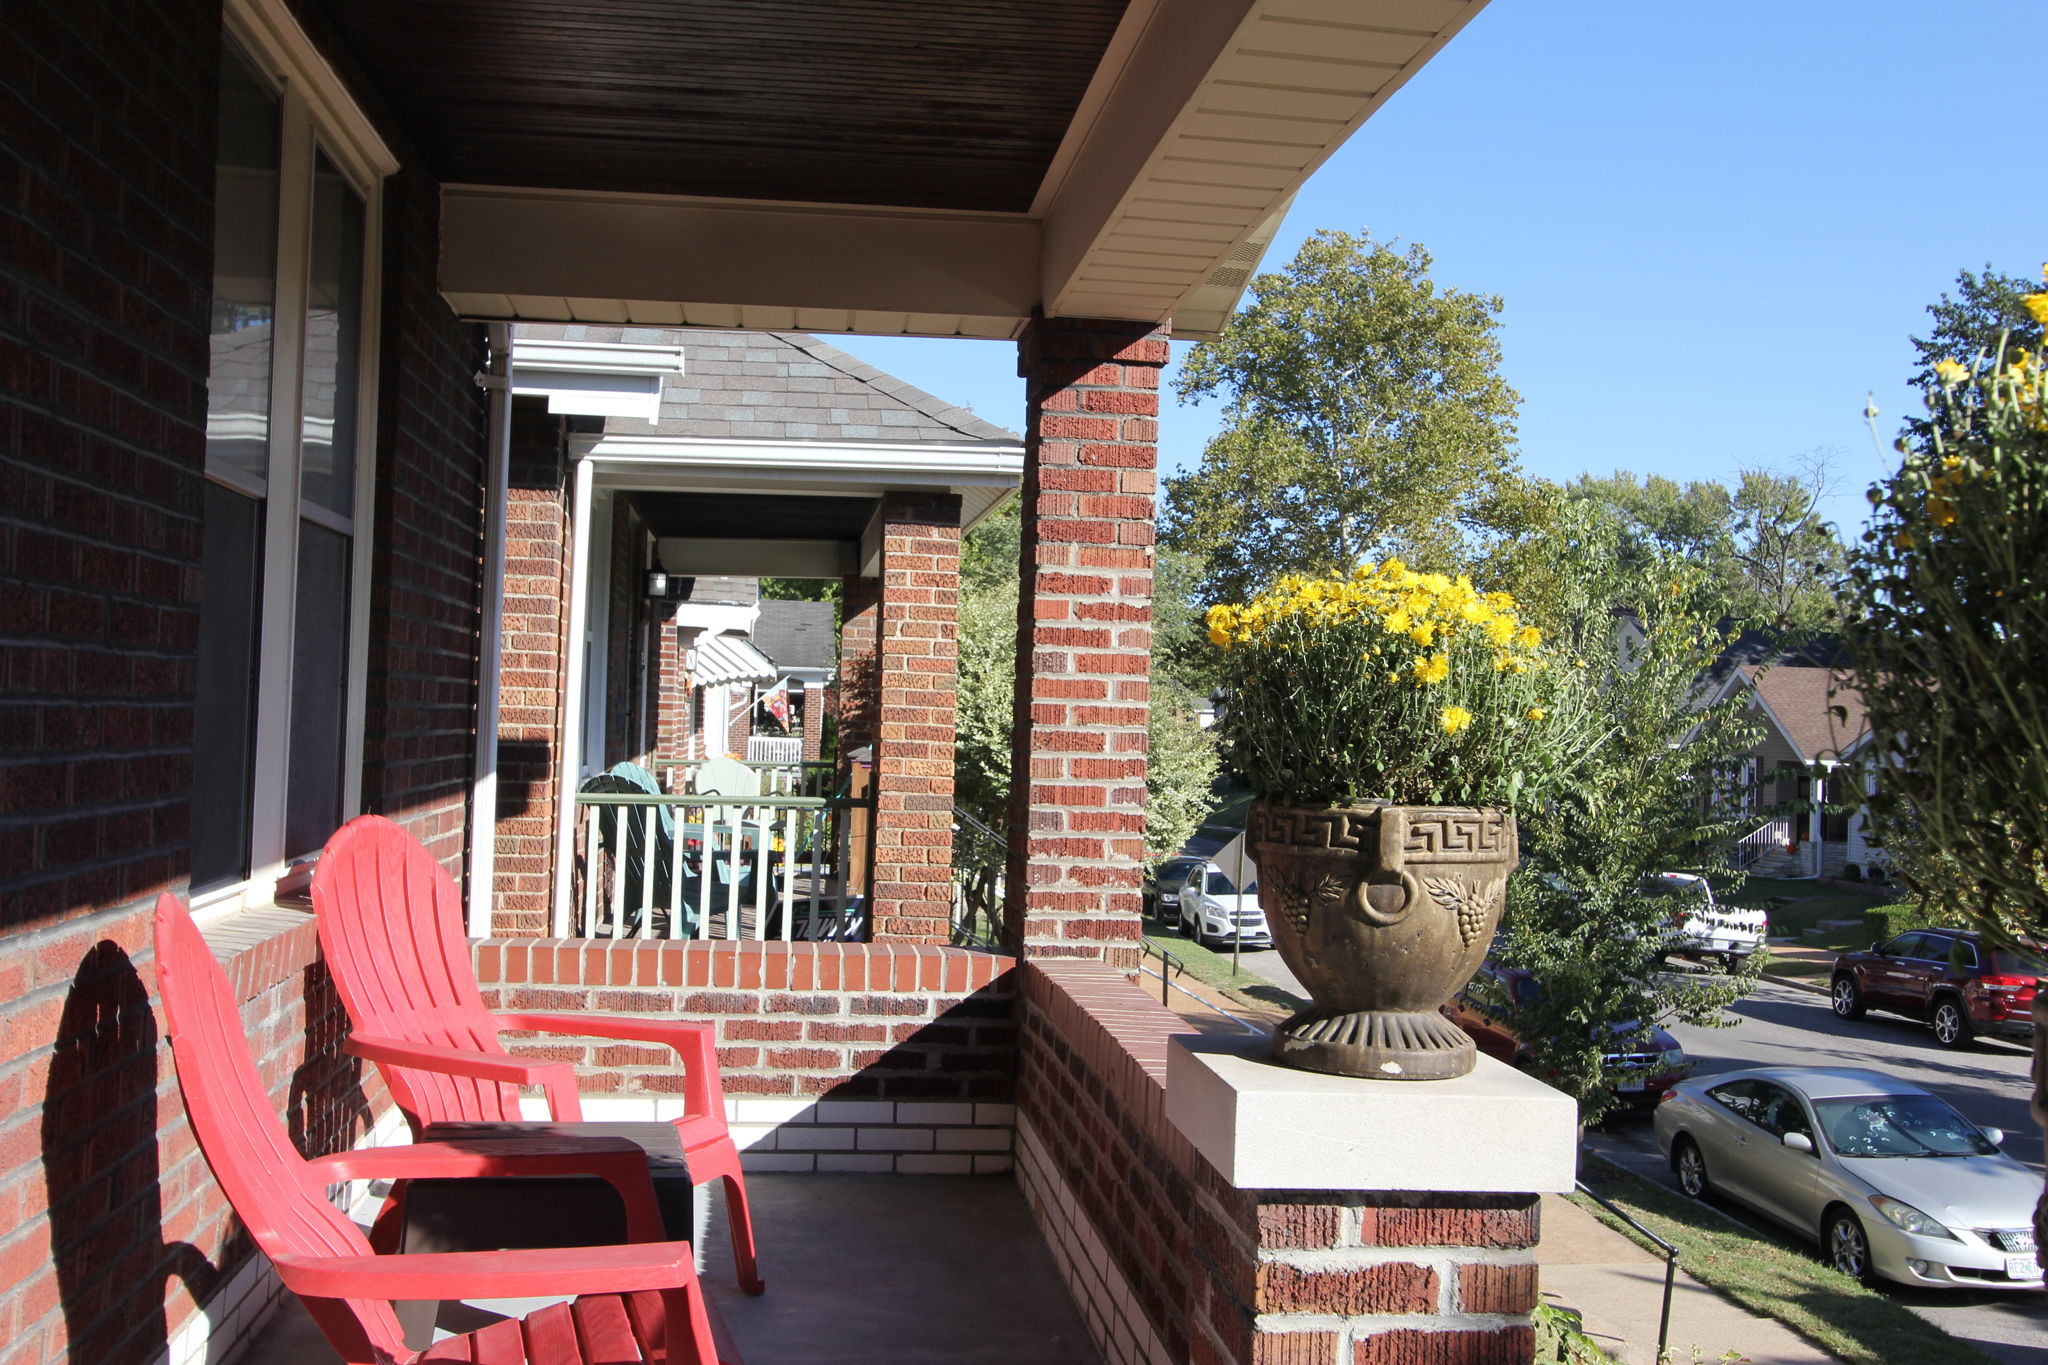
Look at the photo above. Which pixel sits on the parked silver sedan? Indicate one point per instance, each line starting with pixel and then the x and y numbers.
pixel 1889 1179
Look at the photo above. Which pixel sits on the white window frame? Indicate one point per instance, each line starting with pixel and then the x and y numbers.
pixel 316 115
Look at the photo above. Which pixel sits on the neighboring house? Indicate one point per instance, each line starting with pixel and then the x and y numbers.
pixel 1809 817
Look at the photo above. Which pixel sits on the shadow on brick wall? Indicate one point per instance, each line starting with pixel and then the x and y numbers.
pixel 326 1110
pixel 103 1172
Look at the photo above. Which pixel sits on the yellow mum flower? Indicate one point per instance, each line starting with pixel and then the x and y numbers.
pixel 1398 621
pixel 1535 713
pixel 2036 304
pixel 1950 372
pixel 1424 635
pixel 1433 669
pixel 1454 719
pixel 1500 630
pixel 1529 637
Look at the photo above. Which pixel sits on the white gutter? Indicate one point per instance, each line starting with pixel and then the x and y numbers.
pixel 483 799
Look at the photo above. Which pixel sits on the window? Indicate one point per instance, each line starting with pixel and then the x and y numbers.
pixel 277 734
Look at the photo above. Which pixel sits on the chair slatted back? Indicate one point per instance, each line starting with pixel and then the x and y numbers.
pixel 242 1138
pixel 390 920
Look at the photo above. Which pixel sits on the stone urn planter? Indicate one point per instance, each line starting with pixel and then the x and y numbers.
pixel 1384 912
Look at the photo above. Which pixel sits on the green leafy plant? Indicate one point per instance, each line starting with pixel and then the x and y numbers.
pixel 1948 629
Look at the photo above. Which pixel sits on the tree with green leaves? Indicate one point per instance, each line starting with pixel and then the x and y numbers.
pixel 1579 917
pixel 1181 760
pixel 1364 412
pixel 1763 546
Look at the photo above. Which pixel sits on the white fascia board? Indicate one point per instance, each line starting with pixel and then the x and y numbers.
pixel 622 459
pixel 719 618
pixel 595 378
pixel 594 357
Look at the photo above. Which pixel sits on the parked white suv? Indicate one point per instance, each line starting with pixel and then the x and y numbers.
pixel 1213 911
pixel 1701 928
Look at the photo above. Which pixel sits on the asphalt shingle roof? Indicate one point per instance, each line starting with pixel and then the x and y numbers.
pixel 781 386
pixel 798 634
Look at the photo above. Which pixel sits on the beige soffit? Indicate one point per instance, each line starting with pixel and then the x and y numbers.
pixel 1202 121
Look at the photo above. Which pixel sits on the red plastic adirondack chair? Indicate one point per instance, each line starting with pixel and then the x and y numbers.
pixel 391 930
pixel 645 1302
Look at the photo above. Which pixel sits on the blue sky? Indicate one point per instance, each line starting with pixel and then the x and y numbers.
pixel 1714 225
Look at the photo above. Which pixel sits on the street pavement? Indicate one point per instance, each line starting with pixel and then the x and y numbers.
pixel 1782 1024
pixel 1787 1024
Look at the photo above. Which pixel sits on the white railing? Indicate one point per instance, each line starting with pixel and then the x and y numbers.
pixel 778 749
pixel 794 778
pixel 731 867
pixel 1769 837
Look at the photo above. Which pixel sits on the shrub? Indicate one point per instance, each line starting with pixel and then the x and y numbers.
pixel 1886 921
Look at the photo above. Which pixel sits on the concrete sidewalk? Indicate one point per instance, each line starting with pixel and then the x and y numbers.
pixel 1619 1289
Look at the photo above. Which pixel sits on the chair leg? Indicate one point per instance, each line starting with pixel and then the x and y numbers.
pixel 719 1159
pixel 740 1224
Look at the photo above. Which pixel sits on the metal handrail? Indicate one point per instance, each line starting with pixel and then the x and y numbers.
pixel 1167 962
pixel 1670 1259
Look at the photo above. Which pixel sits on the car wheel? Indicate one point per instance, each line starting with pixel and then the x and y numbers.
pixel 1951 1024
pixel 1734 962
pixel 1847 998
pixel 1691 1165
pixel 1846 1245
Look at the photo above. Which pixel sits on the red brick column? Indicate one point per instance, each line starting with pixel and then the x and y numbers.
pixel 916 667
pixel 532 655
pixel 860 619
pixel 1084 643
pixel 812 706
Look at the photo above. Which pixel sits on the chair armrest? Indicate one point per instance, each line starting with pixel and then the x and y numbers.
pixel 454 1061
pixel 548 1272
pixel 695 1044
pixel 556 1079
pixel 616 1161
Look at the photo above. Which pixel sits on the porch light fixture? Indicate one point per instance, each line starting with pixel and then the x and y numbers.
pixel 658 581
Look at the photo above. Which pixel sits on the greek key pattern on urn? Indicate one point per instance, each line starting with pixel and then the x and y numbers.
pixel 1459 836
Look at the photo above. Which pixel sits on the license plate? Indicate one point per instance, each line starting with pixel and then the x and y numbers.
pixel 2023 1267
pixel 1627 1086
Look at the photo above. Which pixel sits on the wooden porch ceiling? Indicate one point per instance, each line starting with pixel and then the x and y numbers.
pixel 929 167
pixel 946 104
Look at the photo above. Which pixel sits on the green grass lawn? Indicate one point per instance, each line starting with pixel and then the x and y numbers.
pixel 1213 969
pixel 1779 1279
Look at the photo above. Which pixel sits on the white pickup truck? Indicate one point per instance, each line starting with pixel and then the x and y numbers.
pixel 1701 928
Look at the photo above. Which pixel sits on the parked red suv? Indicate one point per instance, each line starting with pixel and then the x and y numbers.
pixel 1959 983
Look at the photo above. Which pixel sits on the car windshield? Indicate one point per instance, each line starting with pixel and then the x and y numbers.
pixel 1899 1125
pixel 2006 962
pixel 1690 887
pixel 1219 884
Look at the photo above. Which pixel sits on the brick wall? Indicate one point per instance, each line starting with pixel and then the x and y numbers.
pixel 917 662
pixel 531 661
pixel 426 600
pixel 835 1056
pixel 860 617
pixel 1084 638
pixel 1171 1263
pixel 110 1228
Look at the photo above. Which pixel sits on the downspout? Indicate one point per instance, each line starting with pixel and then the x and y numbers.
pixel 570 760
pixel 483 799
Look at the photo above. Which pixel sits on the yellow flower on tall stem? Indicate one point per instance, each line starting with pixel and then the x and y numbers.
pixel 1454 719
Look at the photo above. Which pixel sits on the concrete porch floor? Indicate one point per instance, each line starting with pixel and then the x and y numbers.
pixel 907 1269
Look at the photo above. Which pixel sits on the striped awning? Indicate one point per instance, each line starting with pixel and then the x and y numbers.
pixel 730 658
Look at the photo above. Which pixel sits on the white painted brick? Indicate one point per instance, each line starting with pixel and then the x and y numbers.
pixel 895 1139
pixel 911 1164
pixel 908 1112
pixel 797 1138
pixel 775 1111
pixel 974 1139
pixel 859 1161
pixel 856 1111
pixel 992 1165
pixel 995 1115
pixel 618 1108
pixel 778 1161
pixel 754 1136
